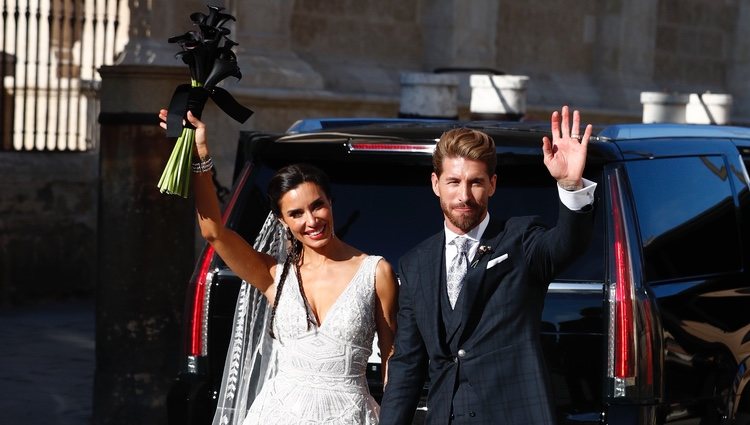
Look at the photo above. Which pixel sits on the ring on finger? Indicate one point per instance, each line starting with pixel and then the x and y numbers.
pixel 576 136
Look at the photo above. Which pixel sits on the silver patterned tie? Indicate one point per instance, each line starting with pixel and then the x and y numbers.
pixel 457 268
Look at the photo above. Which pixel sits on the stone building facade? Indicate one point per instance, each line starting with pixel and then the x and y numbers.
pixel 312 58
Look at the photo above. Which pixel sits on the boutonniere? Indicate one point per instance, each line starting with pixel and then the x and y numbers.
pixel 481 252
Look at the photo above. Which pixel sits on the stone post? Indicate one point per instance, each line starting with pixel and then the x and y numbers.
pixel 146 251
pixel 709 108
pixel 660 107
pixel 428 95
pixel 498 97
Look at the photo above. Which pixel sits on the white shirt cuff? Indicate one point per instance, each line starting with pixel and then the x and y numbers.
pixel 576 200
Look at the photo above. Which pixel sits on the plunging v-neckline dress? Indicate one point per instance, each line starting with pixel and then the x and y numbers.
pixel 321 371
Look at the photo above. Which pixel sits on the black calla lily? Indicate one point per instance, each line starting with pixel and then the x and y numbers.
pixel 198 17
pixel 180 39
pixel 207 50
pixel 225 66
pixel 187 57
pixel 208 53
pixel 215 18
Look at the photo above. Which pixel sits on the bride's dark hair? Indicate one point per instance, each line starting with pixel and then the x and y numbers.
pixel 286 179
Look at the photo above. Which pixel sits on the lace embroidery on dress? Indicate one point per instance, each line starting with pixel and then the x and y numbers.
pixel 321 375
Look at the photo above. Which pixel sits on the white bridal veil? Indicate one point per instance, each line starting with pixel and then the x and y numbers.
pixel 251 357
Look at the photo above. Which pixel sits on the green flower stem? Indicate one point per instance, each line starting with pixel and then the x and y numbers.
pixel 175 179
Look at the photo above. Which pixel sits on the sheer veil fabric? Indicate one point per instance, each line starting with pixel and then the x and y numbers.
pixel 252 356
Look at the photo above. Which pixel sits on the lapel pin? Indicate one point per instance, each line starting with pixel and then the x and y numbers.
pixel 481 252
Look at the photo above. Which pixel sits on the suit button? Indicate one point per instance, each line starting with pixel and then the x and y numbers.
pixel 461 353
pixel 472 414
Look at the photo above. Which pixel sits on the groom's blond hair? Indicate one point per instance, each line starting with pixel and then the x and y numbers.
pixel 465 143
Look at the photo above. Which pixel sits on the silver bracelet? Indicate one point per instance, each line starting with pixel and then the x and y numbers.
pixel 203 166
pixel 571 187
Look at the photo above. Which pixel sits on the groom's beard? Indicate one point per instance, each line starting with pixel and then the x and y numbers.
pixel 464 220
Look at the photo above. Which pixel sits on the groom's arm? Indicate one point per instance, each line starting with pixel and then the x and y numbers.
pixel 407 368
pixel 550 251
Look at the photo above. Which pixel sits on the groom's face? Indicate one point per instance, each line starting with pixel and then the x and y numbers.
pixel 464 188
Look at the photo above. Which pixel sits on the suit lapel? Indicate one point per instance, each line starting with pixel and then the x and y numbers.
pixel 474 279
pixel 432 260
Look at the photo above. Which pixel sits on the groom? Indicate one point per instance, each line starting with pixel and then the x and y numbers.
pixel 471 296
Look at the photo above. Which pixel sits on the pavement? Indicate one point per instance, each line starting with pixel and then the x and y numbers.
pixel 47 364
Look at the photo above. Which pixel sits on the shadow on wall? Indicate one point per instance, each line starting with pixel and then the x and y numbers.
pixel 48 215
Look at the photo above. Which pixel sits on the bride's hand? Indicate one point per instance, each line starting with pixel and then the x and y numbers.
pixel 201 144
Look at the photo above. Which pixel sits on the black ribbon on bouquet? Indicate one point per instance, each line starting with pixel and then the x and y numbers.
pixel 187 98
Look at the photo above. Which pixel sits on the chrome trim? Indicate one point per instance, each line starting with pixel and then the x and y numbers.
pixel 588 287
pixel 611 331
pixel 192 365
pixel 621 386
pixel 225 272
pixel 206 305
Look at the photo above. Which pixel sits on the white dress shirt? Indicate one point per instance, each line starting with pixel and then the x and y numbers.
pixel 574 200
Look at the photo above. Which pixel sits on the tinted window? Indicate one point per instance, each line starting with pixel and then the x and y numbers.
pixel 686 215
pixel 389 211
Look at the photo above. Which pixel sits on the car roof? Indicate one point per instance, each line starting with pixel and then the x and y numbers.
pixel 670 130
pixel 339 135
pixel 428 128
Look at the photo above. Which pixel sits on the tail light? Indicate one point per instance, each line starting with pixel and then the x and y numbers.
pixel 197 344
pixel 630 329
pixel 197 315
pixel 624 346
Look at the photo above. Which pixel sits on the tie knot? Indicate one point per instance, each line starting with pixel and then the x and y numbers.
pixel 462 244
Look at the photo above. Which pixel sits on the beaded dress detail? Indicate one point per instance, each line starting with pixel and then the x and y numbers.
pixel 321 370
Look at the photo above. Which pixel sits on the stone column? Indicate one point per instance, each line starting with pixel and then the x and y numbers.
pixel 460 36
pixel 739 65
pixel 151 25
pixel 264 52
pixel 146 251
pixel 457 35
pixel 625 44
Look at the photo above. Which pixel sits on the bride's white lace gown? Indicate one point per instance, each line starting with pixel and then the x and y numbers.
pixel 321 371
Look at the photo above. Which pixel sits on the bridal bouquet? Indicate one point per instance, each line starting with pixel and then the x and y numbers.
pixel 208 53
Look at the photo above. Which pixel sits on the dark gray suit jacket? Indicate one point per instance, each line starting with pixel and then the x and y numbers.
pixel 496 344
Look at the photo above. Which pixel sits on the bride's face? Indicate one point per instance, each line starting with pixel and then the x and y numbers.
pixel 306 210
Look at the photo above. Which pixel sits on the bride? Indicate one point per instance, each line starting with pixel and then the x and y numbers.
pixel 327 298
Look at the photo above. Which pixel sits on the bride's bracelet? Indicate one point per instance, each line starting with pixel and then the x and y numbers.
pixel 203 166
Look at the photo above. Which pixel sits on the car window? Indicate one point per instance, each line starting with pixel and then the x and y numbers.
pixel 389 211
pixel 687 218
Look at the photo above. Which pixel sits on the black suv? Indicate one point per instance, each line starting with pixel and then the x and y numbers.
pixel 650 326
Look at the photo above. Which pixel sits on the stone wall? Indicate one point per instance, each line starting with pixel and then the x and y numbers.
pixel 693 43
pixel 597 56
pixel 48 213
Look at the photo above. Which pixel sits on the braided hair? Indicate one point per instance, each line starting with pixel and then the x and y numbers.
pixel 286 179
